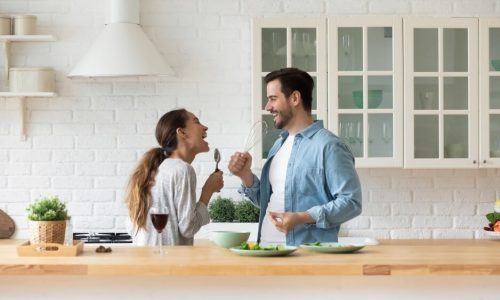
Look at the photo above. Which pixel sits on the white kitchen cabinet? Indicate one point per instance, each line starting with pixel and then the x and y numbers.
pixel 441 93
pixel 365 87
pixel 21 96
pixel 301 43
pixel 280 43
pixel 489 92
pixel 412 92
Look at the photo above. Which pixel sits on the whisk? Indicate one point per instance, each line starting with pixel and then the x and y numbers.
pixel 253 136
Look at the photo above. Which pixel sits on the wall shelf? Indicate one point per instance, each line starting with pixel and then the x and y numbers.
pixel 22 106
pixel 21 96
pixel 27 38
pixel 7 39
pixel 27 94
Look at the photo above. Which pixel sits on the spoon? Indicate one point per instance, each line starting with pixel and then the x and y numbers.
pixel 217 159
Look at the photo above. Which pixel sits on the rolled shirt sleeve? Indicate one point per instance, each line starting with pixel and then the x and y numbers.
pixel 253 192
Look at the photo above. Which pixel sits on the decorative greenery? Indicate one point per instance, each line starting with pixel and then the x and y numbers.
pixel 492 217
pixel 246 212
pixel 221 209
pixel 48 208
pixel 226 210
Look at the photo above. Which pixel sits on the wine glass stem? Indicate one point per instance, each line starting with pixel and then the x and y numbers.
pixel 160 243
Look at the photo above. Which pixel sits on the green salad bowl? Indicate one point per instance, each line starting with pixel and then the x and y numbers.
pixel 229 239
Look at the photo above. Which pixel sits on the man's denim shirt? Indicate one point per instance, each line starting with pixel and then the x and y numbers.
pixel 320 179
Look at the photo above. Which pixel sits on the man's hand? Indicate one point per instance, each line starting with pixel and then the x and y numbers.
pixel 286 221
pixel 239 165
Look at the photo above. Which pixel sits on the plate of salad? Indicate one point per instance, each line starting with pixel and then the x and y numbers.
pixel 332 247
pixel 254 249
pixel 493 228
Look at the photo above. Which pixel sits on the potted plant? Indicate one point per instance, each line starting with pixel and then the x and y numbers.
pixel 47 216
pixel 229 215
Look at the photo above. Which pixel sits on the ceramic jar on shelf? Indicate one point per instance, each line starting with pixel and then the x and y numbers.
pixel 5 25
pixel 41 79
pixel 24 25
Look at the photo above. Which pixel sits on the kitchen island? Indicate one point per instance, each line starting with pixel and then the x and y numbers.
pixel 427 268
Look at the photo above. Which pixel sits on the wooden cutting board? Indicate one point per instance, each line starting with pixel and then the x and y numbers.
pixel 7 226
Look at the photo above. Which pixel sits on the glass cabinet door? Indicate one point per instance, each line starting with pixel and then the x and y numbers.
pixel 489 70
pixel 365 88
pixel 440 93
pixel 280 43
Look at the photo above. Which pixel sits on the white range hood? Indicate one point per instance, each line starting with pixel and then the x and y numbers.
pixel 122 49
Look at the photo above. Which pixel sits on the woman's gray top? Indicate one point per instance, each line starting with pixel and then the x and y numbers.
pixel 175 189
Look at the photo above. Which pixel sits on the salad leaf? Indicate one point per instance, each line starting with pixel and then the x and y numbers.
pixel 256 247
pixel 493 216
pixel 313 244
pixel 246 246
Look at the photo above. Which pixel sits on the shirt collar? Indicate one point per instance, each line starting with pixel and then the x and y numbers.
pixel 308 131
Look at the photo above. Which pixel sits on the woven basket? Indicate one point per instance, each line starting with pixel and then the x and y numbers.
pixel 47 232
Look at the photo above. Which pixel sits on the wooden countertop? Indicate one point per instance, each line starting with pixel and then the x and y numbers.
pixel 391 257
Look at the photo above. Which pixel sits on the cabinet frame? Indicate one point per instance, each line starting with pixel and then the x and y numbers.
pixel 321 68
pixel 471 24
pixel 486 161
pixel 397 71
pixel 478 74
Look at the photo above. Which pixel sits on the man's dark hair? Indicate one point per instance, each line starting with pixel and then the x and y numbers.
pixel 293 79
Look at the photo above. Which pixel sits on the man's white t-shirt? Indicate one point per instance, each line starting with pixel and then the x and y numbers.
pixel 277 176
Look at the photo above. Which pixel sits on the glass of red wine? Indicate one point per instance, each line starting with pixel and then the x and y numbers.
pixel 159 218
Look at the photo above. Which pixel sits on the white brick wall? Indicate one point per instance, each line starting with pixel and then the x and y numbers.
pixel 84 143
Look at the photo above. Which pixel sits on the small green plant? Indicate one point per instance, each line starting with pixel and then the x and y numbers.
pixel 246 212
pixel 48 208
pixel 221 210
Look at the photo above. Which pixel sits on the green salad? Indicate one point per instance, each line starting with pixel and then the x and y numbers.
pixel 313 244
pixel 247 246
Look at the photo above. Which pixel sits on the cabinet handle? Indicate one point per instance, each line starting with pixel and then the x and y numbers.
pixel 484 161
pixel 474 161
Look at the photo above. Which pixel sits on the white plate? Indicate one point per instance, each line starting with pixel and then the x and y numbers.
pixel 492 234
pixel 282 252
pixel 358 241
pixel 332 247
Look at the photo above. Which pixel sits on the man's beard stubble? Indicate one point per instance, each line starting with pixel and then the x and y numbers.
pixel 285 119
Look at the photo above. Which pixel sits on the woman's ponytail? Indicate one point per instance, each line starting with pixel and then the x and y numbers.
pixel 139 188
pixel 138 197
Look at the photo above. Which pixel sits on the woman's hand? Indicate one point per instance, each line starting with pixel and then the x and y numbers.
pixel 215 182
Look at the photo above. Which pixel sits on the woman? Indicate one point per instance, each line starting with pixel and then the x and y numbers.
pixel 165 178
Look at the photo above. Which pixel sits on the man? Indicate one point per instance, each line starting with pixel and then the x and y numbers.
pixel 308 185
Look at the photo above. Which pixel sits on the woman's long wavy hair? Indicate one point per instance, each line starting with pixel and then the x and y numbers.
pixel 138 197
